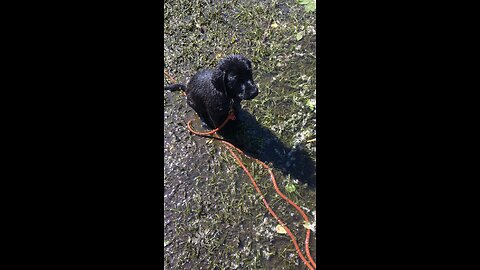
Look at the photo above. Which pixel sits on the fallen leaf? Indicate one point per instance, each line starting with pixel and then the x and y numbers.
pixel 310 226
pixel 280 229
pixel 310 5
pixel 311 103
pixel 300 35
pixel 290 187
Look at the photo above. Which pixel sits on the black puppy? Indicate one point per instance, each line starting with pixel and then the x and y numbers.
pixel 212 92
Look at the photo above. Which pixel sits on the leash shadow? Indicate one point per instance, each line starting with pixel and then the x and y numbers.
pixel 259 142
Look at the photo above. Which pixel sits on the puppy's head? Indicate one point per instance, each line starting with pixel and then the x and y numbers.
pixel 238 78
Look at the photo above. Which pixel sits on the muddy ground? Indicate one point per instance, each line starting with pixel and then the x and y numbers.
pixel 214 219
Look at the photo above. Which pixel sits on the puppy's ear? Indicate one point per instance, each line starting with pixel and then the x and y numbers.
pixel 218 77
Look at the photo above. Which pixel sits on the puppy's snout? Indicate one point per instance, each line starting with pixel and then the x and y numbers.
pixel 255 92
pixel 251 93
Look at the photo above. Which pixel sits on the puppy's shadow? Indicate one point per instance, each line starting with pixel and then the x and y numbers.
pixel 259 142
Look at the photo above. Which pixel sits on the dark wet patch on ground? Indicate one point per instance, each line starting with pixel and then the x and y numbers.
pixel 214 219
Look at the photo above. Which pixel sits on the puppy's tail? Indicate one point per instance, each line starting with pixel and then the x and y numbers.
pixel 175 87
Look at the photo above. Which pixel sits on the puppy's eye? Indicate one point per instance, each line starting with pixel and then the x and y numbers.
pixel 232 76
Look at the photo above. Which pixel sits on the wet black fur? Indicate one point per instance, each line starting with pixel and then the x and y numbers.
pixel 210 92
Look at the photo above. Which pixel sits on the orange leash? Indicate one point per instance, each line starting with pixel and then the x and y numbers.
pixel 231 116
pixel 310 263
pixel 172 80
